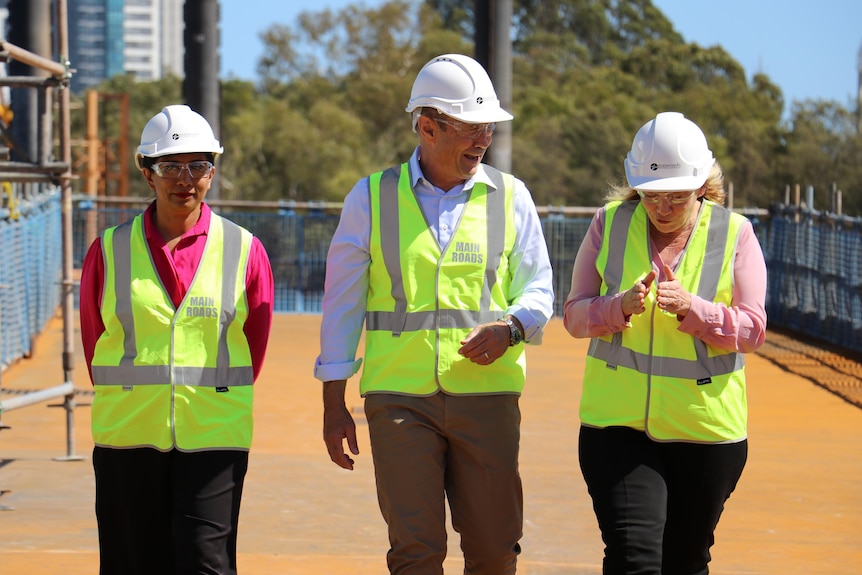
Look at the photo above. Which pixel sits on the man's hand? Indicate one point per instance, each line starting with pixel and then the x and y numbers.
pixel 486 343
pixel 338 424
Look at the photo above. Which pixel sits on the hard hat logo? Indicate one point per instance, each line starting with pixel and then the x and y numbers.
pixel 458 86
pixel 655 167
pixel 175 137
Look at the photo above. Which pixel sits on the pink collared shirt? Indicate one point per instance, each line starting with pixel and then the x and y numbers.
pixel 177 270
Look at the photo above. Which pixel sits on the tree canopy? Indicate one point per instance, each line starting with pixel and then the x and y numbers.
pixel 328 105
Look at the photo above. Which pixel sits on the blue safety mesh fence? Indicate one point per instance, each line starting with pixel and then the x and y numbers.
pixel 814 263
pixel 30 265
pixel 297 243
pixel 563 236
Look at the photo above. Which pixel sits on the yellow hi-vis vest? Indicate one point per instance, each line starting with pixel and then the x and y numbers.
pixel 651 376
pixel 423 300
pixel 173 378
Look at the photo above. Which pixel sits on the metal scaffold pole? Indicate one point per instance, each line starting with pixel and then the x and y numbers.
pixel 38 165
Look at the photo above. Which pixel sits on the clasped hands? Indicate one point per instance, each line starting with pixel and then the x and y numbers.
pixel 670 295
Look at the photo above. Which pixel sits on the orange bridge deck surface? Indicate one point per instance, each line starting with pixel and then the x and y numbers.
pixel 797 509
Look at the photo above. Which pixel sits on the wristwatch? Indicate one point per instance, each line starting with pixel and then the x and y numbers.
pixel 515 334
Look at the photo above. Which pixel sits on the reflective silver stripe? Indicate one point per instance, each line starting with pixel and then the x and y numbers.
pixel 121 242
pixel 127 373
pixel 713 257
pixel 161 375
pixel 702 367
pixel 614 354
pixel 618 238
pixel 495 203
pixel 232 250
pixel 399 320
pixel 713 260
pixel 390 238
pixel 443 319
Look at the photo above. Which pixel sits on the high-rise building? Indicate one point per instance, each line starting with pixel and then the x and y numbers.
pixel 4 19
pixel 110 37
pixel 173 48
pixel 4 16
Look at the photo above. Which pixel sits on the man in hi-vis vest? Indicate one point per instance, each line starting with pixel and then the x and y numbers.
pixel 671 287
pixel 176 308
pixel 442 260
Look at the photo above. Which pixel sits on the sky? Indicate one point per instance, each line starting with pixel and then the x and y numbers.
pixel 807 48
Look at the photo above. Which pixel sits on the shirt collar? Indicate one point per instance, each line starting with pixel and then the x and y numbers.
pixel 416 174
pixel 200 228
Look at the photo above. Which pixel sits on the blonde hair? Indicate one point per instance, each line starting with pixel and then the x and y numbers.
pixel 713 186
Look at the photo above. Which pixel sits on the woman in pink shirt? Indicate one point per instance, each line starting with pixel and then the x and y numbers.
pixel 176 307
pixel 671 287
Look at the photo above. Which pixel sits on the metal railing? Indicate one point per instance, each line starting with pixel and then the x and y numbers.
pixel 815 275
pixel 814 262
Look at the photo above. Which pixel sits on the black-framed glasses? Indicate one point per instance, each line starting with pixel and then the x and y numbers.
pixel 673 198
pixel 471 131
pixel 172 170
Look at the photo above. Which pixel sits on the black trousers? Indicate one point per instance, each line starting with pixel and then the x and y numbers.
pixel 170 513
pixel 657 504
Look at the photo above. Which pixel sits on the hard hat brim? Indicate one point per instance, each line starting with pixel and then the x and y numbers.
pixel 485 116
pixel 191 149
pixel 678 184
pixel 490 116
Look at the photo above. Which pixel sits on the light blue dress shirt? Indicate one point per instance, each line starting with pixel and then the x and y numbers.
pixel 531 290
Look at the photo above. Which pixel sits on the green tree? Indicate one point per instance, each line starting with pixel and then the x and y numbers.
pixel 333 91
pixel 328 107
pixel 823 151
pixel 144 100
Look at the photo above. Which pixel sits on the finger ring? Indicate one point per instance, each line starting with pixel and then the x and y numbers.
pixel 486 355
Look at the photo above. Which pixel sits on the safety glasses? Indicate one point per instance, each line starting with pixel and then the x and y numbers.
pixel 673 198
pixel 471 131
pixel 172 170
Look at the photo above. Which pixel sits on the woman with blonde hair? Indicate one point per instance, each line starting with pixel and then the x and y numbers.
pixel 670 287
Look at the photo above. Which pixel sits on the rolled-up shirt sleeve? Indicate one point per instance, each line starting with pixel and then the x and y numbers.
pixel 345 289
pixel 531 290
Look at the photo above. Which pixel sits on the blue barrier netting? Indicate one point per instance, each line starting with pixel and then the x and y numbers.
pixel 814 263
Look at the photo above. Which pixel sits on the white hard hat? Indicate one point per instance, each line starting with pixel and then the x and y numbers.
pixel 176 129
pixel 458 86
pixel 668 153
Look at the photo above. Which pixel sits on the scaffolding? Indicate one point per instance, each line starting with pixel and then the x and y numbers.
pixel 48 169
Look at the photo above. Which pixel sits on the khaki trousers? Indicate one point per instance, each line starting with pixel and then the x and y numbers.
pixel 460 448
